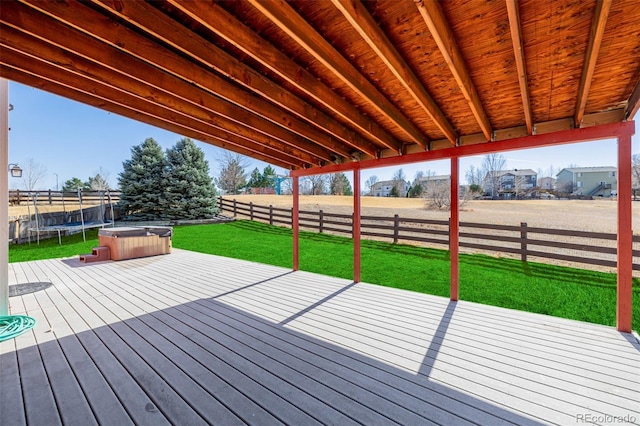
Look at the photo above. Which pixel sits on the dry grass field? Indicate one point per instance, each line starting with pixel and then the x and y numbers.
pixel 595 215
pixel 24 209
pixel 581 215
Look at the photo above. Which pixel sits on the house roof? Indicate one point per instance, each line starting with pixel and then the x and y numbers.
pixel 434 178
pixel 304 84
pixel 386 182
pixel 519 172
pixel 589 169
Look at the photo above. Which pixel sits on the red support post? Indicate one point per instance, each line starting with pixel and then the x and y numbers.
pixel 454 228
pixel 625 236
pixel 295 225
pixel 356 225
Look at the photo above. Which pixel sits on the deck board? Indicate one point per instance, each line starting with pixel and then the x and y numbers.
pixel 194 338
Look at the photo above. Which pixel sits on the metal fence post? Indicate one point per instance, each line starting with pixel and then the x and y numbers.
pixel 321 221
pixel 235 208
pixel 251 210
pixel 270 214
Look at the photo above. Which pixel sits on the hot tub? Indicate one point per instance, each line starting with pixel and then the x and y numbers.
pixel 130 242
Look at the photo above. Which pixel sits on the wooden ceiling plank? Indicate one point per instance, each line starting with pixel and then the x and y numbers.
pixel 433 16
pixel 598 24
pixel 84 19
pixel 119 87
pixel 151 83
pixel 288 20
pixel 223 24
pixel 153 21
pixel 518 51
pixel 362 21
pixel 148 116
pixel 634 103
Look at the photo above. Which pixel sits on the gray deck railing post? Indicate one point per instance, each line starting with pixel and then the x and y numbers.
pixel 321 221
pixel 523 241
pixel 396 228
pixel 270 214
pixel 50 201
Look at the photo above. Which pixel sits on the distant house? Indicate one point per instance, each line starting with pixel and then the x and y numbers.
pixel 547 183
pixel 589 181
pixel 427 181
pixel 515 183
pixel 384 188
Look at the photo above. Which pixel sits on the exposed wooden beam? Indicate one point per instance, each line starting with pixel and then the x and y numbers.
pixel 288 20
pixel 213 17
pixel 441 33
pixel 598 24
pixel 362 21
pixel 634 103
pixel 605 131
pixel 518 52
pixel 38 64
pixel 227 141
pixel 152 21
pixel 112 56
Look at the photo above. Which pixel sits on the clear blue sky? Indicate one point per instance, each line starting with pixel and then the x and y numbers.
pixel 75 140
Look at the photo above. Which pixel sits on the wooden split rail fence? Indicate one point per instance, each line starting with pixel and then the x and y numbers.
pixel 523 241
pixel 17 197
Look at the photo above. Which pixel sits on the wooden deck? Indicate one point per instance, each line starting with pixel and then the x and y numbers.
pixel 192 339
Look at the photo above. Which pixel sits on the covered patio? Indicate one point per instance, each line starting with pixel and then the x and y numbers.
pixel 320 87
pixel 192 338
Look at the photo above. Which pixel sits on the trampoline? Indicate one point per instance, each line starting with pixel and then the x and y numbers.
pixel 72 227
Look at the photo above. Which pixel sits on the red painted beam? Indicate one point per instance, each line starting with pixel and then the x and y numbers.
pixel 296 225
pixel 356 225
pixel 605 131
pixel 454 228
pixel 625 236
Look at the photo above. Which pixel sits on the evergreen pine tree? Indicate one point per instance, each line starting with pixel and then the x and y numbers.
pixel 340 185
pixel 141 182
pixel 256 180
pixel 268 177
pixel 189 192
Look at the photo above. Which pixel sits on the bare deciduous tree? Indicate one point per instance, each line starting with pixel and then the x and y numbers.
pixel 232 176
pixel 438 196
pixel 492 164
pixel 635 173
pixel 368 184
pixel 399 179
pixel 33 174
pixel 474 176
pixel 100 182
pixel 317 185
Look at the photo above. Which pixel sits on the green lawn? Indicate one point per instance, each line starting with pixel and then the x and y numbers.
pixel 547 289
pixel 50 249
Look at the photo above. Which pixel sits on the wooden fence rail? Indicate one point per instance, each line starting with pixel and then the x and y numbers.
pixel 17 197
pixel 593 248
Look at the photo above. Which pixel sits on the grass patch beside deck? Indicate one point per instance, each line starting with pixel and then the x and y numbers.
pixel 535 287
pixel 49 248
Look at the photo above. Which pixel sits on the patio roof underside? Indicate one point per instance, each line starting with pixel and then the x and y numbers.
pixel 306 84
